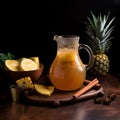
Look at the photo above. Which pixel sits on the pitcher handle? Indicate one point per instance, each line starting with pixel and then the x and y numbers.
pixel 90 53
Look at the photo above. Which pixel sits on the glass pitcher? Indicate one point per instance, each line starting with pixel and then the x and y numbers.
pixel 67 71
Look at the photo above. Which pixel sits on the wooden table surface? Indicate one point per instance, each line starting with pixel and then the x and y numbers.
pixel 84 110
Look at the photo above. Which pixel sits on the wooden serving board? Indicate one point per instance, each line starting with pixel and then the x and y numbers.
pixel 59 98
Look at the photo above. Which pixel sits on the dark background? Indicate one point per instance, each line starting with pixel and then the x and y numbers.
pixel 27 28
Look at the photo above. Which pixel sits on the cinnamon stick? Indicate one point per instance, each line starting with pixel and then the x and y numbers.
pixel 86 88
pixel 96 87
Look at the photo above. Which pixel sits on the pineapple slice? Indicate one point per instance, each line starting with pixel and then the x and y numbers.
pixel 12 65
pixel 44 90
pixel 25 82
pixel 36 60
pixel 27 65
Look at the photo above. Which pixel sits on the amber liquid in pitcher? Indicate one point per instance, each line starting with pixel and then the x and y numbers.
pixel 67 71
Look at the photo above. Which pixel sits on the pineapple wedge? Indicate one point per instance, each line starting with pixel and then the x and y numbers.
pixel 27 65
pixel 44 90
pixel 25 82
pixel 12 65
pixel 36 60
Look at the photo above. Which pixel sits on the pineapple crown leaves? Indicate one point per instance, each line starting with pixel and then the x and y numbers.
pixel 99 30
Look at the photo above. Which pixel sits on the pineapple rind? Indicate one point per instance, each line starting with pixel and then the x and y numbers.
pixel 101 64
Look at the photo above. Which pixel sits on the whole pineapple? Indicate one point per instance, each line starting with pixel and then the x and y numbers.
pixel 99 30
